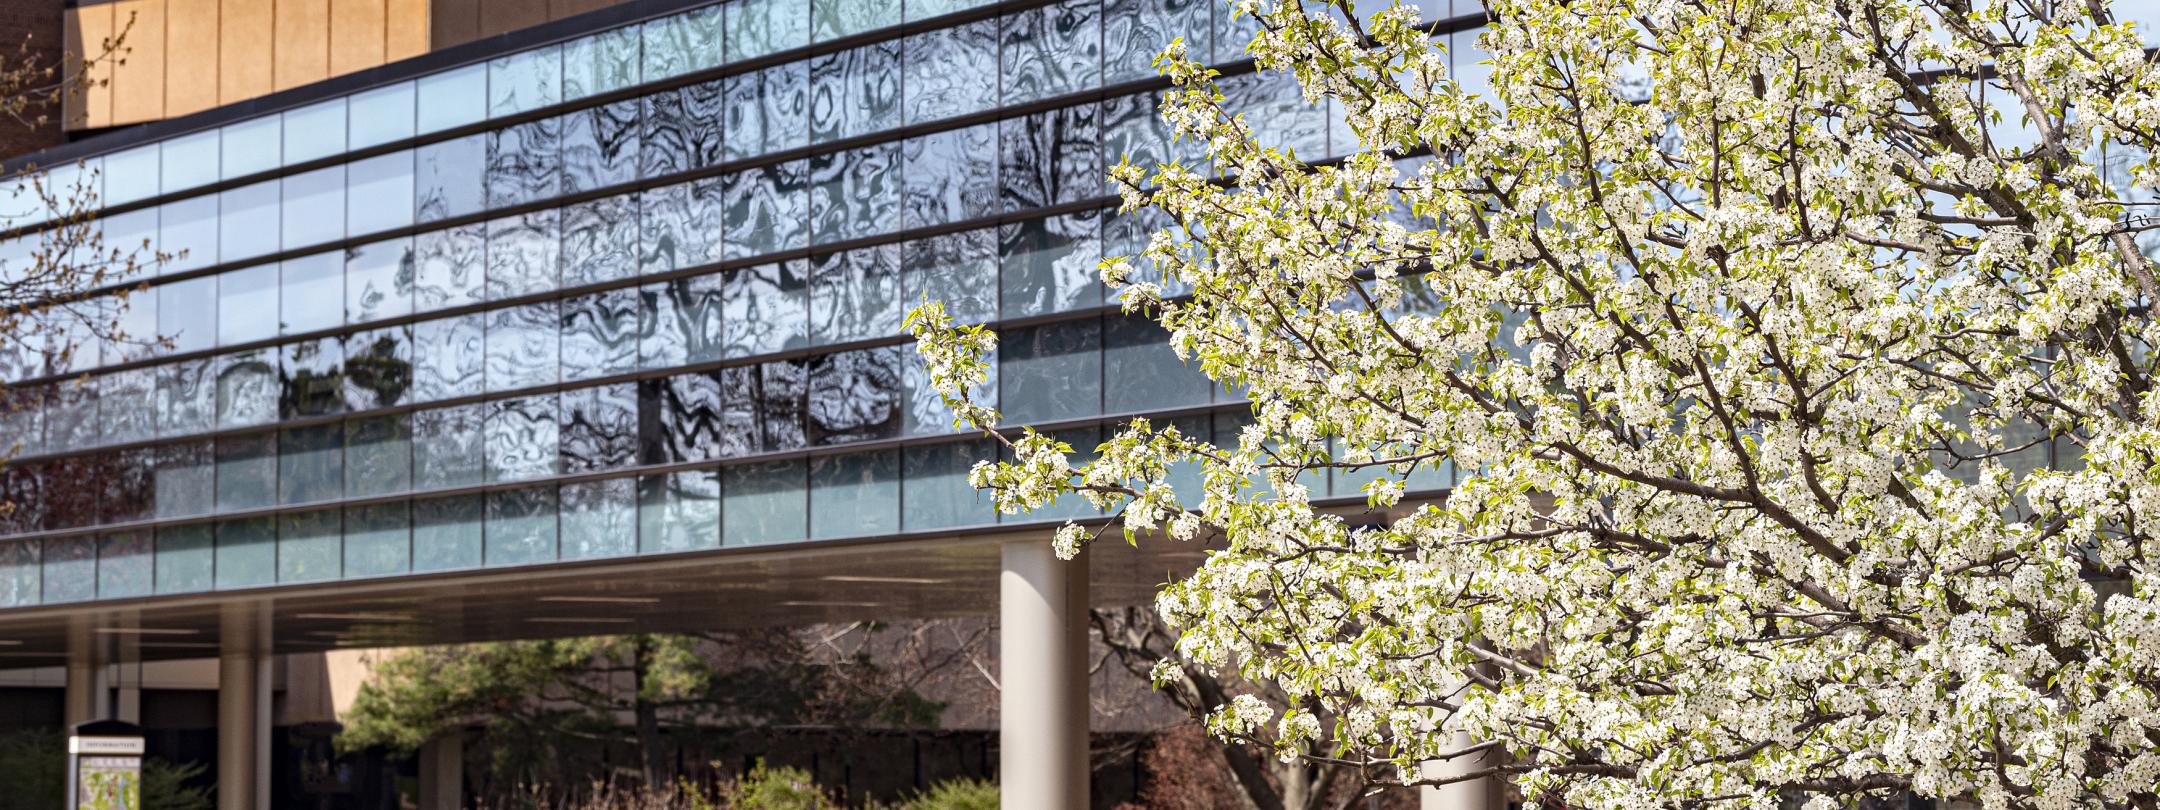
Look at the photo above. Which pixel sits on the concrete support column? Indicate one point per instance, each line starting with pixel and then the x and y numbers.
pixel 1043 679
pixel 442 773
pixel 86 692
pixel 1475 794
pixel 243 761
pixel 238 761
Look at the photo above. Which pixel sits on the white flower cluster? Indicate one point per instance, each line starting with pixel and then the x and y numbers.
pixel 1793 361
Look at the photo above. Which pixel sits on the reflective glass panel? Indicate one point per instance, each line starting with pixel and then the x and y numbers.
pixel 19 573
pixel 452 98
pixel 188 161
pixel 683 127
pixel 311 378
pixel 378 539
pixel 524 253
pixel 522 346
pixel 247 554
pixel 833 19
pixel 681 225
pixel 952 71
pixel 186 479
pixel 247 388
pixel 381 115
pixel 1148 374
pixel 125 565
pixel 759 27
pixel 449 176
pixel 679 511
pixel 449 357
pixel 601 62
pixel 600 240
pixel 855 91
pixel 521 526
pixel 1049 265
pixel 684 321
pixel 187 313
pixel 958 269
pixel 311 463
pixel 188 230
pixel 681 43
pixel 1051 372
pixel 247 468
pixel 766 308
pixel 248 147
pixel 446 533
pixel 599 518
pixel 600 146
pixel 855 295
pixel 950 176
pixel 600 334
pixel 768 110
pixel 767 209
pixel 312 293
pixel 310 546
pixel 1134 31
pixel 378 367
pixel 447 446
pixel 526 80
pixel 187 397
pixel 314 207
pixel 248 221
pixel 131 175
pixel 378 455
pixel 314 131
pixel 1050 158
pixel 70 569
pixel 246 298
pixel 599 428
pixel 855 495
pixel 1051 51
pixel 184 563
pixel 681 419
pixel 855 396
pixel 524 162
pixel 379 279
pixel 450 267
pixel 763 502
pixel 522 437
pixel 855 194
pixel 938 494
pixel 379 193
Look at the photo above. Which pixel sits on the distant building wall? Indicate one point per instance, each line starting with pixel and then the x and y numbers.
pixel 30 29
pixel 177 57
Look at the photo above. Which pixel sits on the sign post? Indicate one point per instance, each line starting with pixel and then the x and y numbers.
pixel 105 766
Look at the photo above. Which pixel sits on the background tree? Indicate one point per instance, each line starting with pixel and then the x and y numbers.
pixel 57 253
pixel 1139 641
pixel 1794 360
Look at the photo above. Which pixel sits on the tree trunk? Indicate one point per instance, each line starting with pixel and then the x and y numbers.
pixel 648 723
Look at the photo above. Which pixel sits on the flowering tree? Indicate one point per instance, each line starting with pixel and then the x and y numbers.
pixel 1794 358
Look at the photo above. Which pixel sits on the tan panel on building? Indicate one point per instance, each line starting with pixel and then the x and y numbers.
pixel 191 56
pixel 356 35
pixel 138 88
pixel 559 9
pixel 405 29
pixel 452 22
pixel 302 53
pixel 85 33
pixel 501 16
pixel 245 46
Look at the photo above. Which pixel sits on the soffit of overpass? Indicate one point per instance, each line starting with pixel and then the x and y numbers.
pixel 719 590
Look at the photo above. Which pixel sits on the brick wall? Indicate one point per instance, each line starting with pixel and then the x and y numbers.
pixel 34 24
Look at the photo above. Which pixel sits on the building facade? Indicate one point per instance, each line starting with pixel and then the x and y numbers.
pixel 595 325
